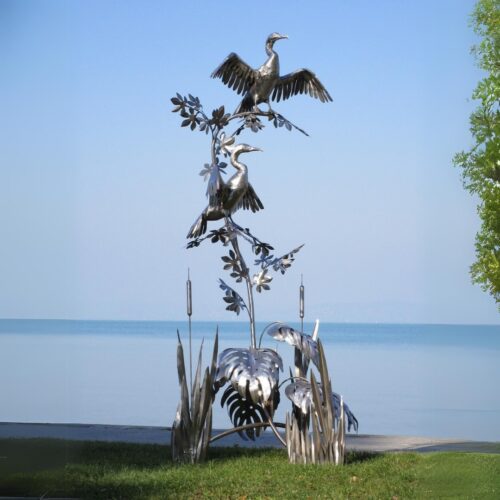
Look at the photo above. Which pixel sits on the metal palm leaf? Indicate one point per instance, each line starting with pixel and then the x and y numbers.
pixel 299 392
pixel 254 373
pixel 305 343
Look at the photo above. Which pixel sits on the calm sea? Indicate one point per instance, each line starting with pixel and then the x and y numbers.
pixel 423 380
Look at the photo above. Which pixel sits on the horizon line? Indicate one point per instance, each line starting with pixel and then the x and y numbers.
pixel 260 321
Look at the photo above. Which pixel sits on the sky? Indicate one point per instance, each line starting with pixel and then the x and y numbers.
pixel 99 183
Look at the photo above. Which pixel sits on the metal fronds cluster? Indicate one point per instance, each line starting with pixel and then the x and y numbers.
pixel 192 427
pixel 326 441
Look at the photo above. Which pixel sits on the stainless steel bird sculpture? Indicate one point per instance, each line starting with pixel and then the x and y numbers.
pixel 227 197
pixel 265 84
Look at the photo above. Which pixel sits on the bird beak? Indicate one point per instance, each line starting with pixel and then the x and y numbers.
pixel 252 148
pixel 283 36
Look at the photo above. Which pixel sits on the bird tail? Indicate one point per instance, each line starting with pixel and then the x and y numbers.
pixel 199 227
pixel 246 105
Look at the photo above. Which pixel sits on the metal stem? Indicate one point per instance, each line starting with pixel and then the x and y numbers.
pixel 213 148
pixel 244 427
pixel 292 378
pixel 189 301
pixel 244 268
pixel 273 427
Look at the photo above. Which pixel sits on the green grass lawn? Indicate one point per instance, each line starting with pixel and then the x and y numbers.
pixel 56 468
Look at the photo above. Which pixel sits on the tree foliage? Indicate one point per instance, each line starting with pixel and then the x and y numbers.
pixel 481 164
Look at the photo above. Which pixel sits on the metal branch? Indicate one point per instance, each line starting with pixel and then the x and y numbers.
pixel 243 428
pixel 271 115
pixel 292 378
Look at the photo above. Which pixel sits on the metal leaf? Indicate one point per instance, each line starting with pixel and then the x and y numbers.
pixel 299 393
pixel 214 185
pixel 326 444
pixel 232 298
pixel 254 373
pixel 243 411
pixel 285 261
pixel 205 171
pixel 303 342
pixel 192 426
pixel 226 143
pixel 262 280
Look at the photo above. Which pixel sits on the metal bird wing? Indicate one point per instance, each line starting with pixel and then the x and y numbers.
pixel 301 81
pixel 235 73
pixel 250 200
pixel 254 373
pixel 299 392
pixel 303 342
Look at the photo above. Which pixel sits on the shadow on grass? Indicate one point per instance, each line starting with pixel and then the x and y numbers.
pixel 34 455
pixel 230 453
pixel 58 468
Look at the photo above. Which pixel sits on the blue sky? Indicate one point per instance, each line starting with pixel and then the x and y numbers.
pixel 99 184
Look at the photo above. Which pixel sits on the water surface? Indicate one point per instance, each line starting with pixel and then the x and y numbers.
pixel 424 380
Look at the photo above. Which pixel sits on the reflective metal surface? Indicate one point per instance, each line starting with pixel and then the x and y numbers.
pixel 305 343
pixel 326 442
pixel 299 392
pixel 227 197
pixel 254 373
pixel 248 417
pixel 192 426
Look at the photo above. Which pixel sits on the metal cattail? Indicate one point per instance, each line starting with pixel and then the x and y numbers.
pixel 301 303
pixel 299 361
pixel 189 310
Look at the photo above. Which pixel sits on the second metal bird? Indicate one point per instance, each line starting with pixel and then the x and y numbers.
pixel 227 197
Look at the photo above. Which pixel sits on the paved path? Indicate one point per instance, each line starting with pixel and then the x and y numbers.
pixel 161 435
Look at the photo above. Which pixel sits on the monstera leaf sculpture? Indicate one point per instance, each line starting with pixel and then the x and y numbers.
pixel 247 415
pixel 253 394
pixel 254 373
pixel 299 392
pixel 303 342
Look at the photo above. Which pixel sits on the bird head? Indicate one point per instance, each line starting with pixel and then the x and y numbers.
pixel 242 148
pixel 273 37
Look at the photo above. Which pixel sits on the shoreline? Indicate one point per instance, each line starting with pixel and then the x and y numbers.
pixel 161 435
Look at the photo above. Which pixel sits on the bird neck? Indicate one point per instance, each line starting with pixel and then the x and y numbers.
pixel 242 169
pixel 269 49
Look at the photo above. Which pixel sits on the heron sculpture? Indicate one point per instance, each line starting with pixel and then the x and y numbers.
pixel 265 84
pixel 227 197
